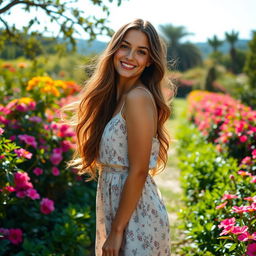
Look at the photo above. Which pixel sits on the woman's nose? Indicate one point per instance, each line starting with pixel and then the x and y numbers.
pixel 130 54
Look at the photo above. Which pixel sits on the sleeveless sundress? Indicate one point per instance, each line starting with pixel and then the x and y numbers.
pixel 147 232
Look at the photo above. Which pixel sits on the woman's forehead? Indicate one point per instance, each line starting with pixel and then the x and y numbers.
pixel 136 37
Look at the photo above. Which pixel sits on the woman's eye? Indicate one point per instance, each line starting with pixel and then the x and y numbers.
pixel 142 52
pixel 123 46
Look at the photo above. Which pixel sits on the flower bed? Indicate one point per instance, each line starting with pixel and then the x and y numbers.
pixel 46 209
pixel 222 222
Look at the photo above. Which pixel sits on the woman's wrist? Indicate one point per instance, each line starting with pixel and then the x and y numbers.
pixel 117 228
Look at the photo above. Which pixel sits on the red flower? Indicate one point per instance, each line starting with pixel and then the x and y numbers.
pixel 15 235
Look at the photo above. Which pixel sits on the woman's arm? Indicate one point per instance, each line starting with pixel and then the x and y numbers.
pixel 140 131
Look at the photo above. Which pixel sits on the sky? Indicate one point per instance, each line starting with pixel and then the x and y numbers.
pixel 203 18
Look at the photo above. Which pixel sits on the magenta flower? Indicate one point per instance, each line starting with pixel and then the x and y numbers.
pixel 239 209
pixel 66 145
pixel 239 230
pixel 21 152
pixel 32 193
pixel 56 157
pixel 228 196
pixel 243 138
pixel 251 249
pixel 55 171
pixel 30 140
pixel 9 188
pixel 254 154
pixel 38 171
pixel 46 206
pixel 245 236
pixel 21 193
pixel 15 235
pixel 21 180
pixel 1 131
pixel 227 222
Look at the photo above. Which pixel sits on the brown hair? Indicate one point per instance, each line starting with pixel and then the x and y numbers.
pixel 98 99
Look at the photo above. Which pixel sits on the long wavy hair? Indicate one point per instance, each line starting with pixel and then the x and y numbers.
pixel 98 100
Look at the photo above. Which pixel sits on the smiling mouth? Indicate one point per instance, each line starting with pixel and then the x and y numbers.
pixel 127 66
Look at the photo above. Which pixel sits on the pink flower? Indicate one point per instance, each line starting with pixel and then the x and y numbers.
pixel 239 230
pixel 254 154
pixel 15 235
pixel 21 193
pixel 38 171
pixel 12 138
pixel 227 222
pixel 246 160
pixel 21 180
pixel 253 180
pixel 55 171
pixel 23 153
pixel 30 140
pixel 56 157
pixel 239 209
pixel 1 131
pixel 46 206
pixel 66 145
pixel 251 249
pixel 9 188
pixel 243 138
pixel 221 205
pixel 32 193
pixel 245 236
pixel 228 196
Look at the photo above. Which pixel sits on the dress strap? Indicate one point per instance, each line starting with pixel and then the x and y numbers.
pixel 122 107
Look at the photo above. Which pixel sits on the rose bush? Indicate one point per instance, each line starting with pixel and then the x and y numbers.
pixel 221 214
pixel 46 209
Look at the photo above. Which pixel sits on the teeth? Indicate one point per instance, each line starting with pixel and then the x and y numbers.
pixel 127 65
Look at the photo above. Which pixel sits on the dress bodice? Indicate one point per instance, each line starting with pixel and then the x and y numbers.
pixel 113 148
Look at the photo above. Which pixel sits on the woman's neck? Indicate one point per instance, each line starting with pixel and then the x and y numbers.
pixel 123 87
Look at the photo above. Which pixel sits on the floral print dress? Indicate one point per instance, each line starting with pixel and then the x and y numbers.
pixel 147 232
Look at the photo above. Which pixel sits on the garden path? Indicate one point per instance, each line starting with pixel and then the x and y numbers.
pixel 168 181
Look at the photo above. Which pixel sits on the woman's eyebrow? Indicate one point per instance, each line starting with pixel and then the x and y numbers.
pixel 143 47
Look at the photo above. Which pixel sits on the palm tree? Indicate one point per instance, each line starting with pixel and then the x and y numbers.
pixel 215 43
pixel 185 55
pixel 232 38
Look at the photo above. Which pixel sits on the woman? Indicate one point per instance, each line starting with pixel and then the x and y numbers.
pixel 120 133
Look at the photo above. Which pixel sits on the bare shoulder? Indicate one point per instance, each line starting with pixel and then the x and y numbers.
pixel 139 101
pixel 138 96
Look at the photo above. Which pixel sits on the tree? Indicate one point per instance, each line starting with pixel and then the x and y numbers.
pixel 186 54
pixel 70 20
pixel 250 65
pixel 232 38
pixel 215 43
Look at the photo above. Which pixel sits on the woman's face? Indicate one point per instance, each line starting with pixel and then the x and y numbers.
pixel 133 55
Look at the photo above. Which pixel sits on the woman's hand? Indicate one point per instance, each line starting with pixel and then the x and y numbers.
pixel 113 243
